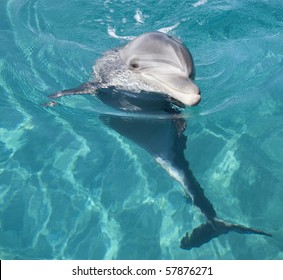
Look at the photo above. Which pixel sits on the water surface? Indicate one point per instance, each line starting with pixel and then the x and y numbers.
pixel 71 188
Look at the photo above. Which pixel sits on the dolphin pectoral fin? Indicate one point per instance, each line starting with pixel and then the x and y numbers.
pixel 86 88
pixel 214 228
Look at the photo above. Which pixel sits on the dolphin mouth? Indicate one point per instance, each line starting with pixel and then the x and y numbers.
pixel 178 87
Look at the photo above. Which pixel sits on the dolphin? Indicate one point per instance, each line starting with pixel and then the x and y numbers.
pixel 152 62
pixel 153 75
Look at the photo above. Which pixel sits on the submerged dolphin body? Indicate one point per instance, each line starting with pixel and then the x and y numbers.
pixel 153 74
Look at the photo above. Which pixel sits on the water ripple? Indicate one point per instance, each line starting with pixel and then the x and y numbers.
pixel 63 188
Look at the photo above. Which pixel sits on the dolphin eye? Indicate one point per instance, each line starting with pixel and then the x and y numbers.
pixel 134 65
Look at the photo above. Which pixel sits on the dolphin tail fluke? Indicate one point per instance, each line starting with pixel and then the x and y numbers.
pixel 214 228
pixel 86 88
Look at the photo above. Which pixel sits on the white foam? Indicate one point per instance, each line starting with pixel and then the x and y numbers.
pixel 139 16
pixel 169 28
pixel 112 32
pixel 200 3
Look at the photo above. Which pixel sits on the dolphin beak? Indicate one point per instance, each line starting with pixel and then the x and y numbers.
pixel 181 88
pixel 190 99
pixel 197 99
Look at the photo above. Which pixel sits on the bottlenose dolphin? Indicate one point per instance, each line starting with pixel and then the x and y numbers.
pixel 154 74
pixel 152 62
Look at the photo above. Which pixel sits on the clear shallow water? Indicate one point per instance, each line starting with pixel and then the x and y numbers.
pixel 71 188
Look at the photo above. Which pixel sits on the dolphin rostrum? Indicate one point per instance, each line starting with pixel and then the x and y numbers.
pixel 154 74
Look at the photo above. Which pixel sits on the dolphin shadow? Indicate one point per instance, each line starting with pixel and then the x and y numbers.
pixel 155 122
pixel 162 135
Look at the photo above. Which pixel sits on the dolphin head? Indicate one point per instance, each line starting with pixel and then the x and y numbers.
pixel 165 62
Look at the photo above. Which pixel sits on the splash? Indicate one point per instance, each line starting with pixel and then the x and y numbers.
pixel 139 16
pixel 200 3
pixel 169 28
pixel 112 33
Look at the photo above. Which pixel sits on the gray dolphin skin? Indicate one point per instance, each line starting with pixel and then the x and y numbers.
pixel 152 62
pixel 154 74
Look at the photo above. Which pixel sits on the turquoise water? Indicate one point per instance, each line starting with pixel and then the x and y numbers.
pixel 72 188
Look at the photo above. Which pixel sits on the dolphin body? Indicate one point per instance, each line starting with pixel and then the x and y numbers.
pixel 153 75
